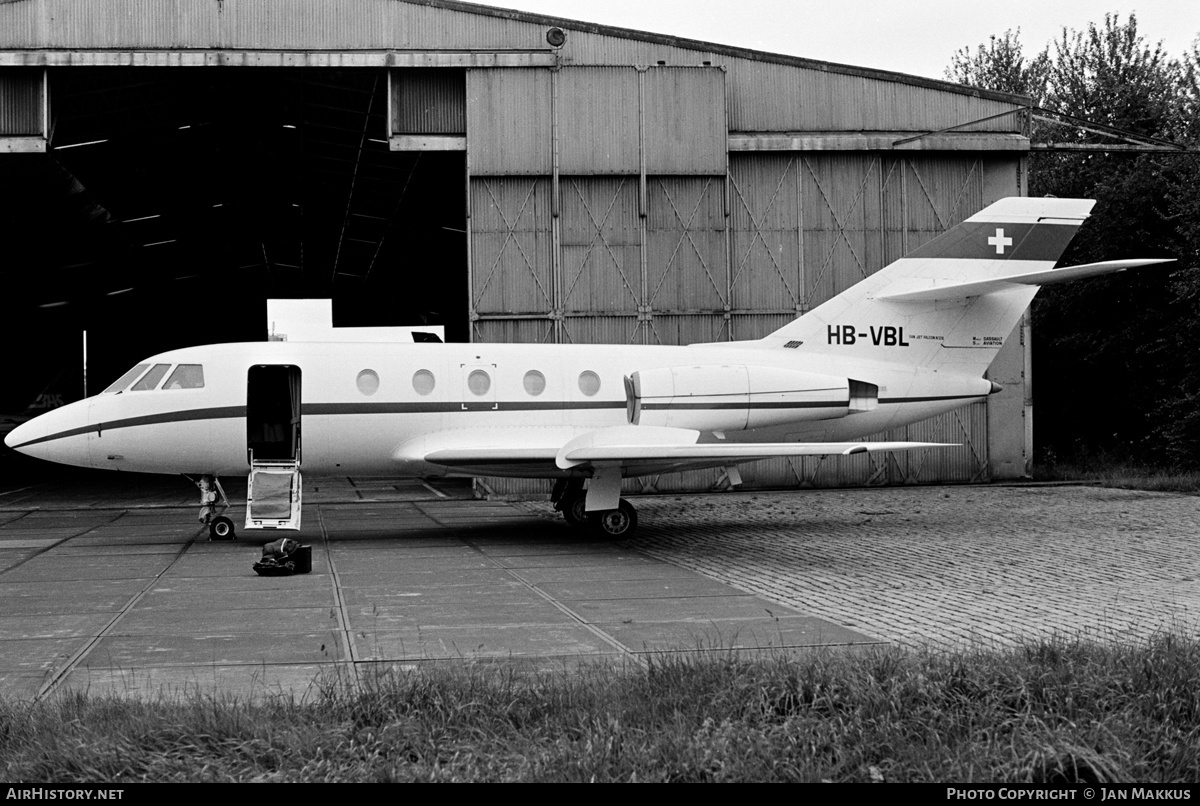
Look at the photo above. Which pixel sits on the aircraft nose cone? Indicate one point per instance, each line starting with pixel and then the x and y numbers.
pixel 59 435
pixel 13 437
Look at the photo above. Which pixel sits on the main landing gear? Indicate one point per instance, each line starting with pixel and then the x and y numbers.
pixel 570 499
pixel 212 499
pixel 619 522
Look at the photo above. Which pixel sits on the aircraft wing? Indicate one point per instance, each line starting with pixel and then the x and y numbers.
pixel 630 449
pixel 629 445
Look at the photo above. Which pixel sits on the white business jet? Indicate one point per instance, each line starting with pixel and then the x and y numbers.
pixel 909 342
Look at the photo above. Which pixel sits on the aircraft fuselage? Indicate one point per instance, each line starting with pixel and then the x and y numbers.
pixel 377 408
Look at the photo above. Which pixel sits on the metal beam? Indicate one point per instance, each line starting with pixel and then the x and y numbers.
pixel 956 127
pixel 876 141
pixel 276 58
pixel 427 142
pixel 35 144
pixel 1070 121
pixel 1115 147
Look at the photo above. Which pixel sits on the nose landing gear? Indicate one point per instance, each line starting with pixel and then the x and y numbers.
pixel 212 500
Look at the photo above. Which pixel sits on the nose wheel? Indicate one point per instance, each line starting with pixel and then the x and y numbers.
pixel 221 528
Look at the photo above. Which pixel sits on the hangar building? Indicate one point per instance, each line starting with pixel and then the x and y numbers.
pixel 168 165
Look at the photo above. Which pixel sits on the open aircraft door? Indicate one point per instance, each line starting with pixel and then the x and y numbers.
pixel 273 494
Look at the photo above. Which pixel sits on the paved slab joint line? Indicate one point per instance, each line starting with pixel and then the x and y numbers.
pixel 340 600
pixel 580 620
pixel 57 676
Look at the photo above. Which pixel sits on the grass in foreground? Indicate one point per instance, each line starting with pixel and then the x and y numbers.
pixel 1121 475
pixel 1055 711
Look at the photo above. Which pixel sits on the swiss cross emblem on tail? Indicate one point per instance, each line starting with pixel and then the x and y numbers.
pixel 999 241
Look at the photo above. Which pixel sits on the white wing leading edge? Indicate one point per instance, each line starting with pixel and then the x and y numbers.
pixel 607 455
pixel 543 452
pixel 635 444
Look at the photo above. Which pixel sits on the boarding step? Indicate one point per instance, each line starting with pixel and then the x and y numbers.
pixel 273 495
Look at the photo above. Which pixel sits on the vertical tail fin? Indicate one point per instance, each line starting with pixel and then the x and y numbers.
pixel 953 301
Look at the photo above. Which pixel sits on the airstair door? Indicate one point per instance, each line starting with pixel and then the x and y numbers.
pixel 273 493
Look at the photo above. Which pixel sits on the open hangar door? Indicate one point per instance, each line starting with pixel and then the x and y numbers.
pixel 170 203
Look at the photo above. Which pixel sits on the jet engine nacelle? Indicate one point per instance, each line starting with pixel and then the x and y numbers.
pixel 733 398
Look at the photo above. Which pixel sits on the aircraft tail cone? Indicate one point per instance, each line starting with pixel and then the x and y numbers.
pixel 995 388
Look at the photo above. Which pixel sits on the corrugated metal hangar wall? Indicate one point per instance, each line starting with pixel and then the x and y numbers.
pixel 620 187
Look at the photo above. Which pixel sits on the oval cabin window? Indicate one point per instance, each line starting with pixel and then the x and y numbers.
pixel 479 382
pixel 589 383
pixel 368 382
pixel 535 382
pixel 423 381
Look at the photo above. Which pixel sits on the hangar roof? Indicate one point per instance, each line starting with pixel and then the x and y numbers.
pixel 352 33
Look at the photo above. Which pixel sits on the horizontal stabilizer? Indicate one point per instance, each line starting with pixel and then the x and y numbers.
pixel 1049 277
pixel 641 444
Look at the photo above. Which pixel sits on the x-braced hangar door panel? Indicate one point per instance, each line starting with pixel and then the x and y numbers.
pixel 806 226
pixel 597 198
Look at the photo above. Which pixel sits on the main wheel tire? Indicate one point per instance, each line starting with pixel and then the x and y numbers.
pixel 618 523
pixel 574 511
pixel 221 528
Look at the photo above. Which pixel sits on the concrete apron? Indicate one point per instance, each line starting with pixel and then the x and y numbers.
pixel 137 601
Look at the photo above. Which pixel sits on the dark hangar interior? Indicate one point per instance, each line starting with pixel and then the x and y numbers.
pixel 172 203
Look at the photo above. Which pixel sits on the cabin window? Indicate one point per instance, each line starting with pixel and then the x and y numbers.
pixel 535 382
pixel 368 382
pixel 479 382
pixel 423 381
pixel 186 376
pixel 120 383
pixel 589 382
pixel 151 378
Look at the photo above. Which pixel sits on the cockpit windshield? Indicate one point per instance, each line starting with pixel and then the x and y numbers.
pixel 120 383
pixel 150 379
pixel 186 376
